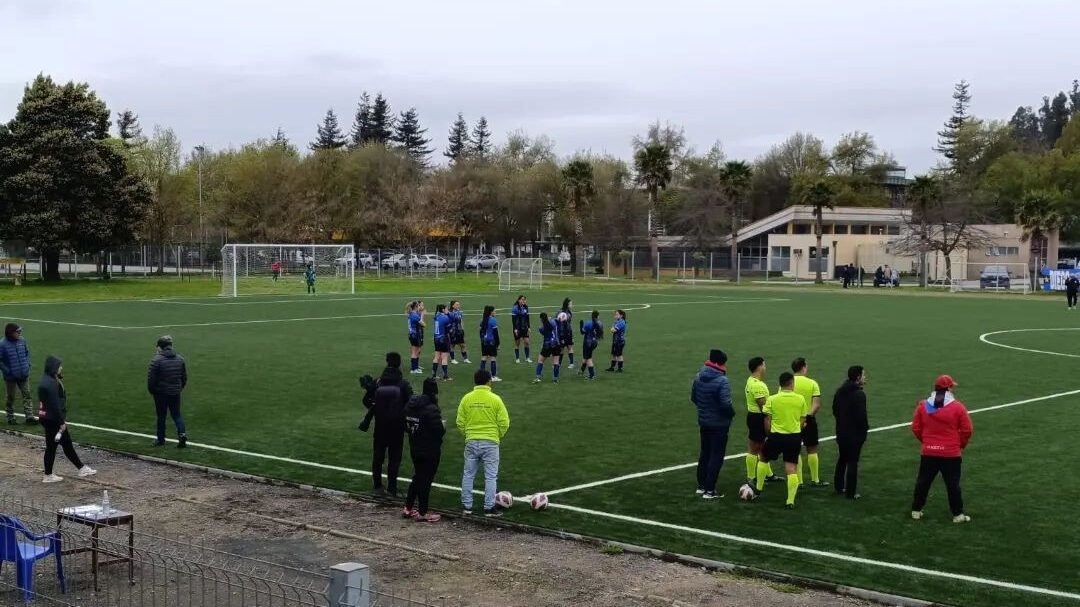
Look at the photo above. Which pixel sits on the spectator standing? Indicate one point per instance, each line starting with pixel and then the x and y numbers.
pixel 1072 285
pixel 852 426
pixel 483 420
pixel 426 428
pixel 388 405
pixel 943 426
pixel 15 365
pixel 53 414
pixel 165 380
pixel 711 394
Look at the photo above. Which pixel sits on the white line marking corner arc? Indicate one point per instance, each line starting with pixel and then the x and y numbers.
pixel 985 338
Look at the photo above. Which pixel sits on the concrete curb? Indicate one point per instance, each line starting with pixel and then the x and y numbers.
pixel 874 596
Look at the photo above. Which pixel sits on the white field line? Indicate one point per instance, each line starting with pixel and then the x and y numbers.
pixel 310 299
pixel 984 338
pixel 824 554
pixel 180 299
pixel 627 477
pixel 64 322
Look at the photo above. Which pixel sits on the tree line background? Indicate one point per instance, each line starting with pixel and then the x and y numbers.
pixel 76 177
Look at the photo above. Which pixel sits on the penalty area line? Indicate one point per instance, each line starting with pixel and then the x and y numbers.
pixel 635 475
pixel 821 553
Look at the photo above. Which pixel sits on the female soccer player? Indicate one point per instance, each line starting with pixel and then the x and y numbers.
pixel 489 340
pixel 415 313
pixel 593 332
pixel 457 333
pixel 566 330
pixel 442 342
pixel 551 349
pixel 519 317
pixel 309 278
pixel 618 340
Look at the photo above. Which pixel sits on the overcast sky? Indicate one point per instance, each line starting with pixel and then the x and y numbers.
pixel 590 74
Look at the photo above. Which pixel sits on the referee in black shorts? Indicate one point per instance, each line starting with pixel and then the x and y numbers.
pixel 785 416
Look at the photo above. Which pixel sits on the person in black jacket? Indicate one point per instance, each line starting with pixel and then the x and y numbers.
pixel 852 426
pixel 711 394
pixel 388 405
pixel 426 428
pixel 1072 286
pixel 165 380
pixel 53 416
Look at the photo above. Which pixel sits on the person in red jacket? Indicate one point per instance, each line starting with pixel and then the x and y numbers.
pixel 943 426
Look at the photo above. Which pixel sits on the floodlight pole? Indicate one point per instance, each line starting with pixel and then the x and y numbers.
pixel 200 150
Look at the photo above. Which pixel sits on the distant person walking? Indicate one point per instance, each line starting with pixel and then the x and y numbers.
pixel 15 365
pixel 852 426
pixel 1072 286
pixel 943 426
pixel 426 428
pixel 53 414
pixel 165 380
pixel 483 420
pixel 711 394
pixel 391 395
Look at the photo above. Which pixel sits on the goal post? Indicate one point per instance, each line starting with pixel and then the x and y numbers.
pixel 991 277
pixel 521 273
pixel 256 269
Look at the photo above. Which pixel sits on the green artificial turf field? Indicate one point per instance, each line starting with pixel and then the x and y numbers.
pixel 273 386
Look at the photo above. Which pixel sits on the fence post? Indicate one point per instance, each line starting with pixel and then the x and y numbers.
pixel 349 585
pixel 76 265
pixel 738 269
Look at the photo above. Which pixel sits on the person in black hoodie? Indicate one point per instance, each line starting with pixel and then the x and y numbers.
pixel 426 428
pixel 166 378
pixel 53 416
pixel 852 426
pixel 388 407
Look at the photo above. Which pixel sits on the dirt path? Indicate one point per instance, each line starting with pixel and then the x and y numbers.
pixel 468 563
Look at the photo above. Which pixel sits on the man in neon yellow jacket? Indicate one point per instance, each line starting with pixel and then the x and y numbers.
pixel 482 418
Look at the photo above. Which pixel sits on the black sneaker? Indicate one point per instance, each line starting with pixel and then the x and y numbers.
pixel 494 512
pixel 789 506
pixel 711 495
pixel 31 420
pixel 610 369
pixel 819 483
pixel 774 479
pixel 182 443
pixel 619 370
pixel 158 443
pixel 857 496
pixel 12 421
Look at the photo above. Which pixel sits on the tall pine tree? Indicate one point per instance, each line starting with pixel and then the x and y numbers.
pixel 280 139
pixel 127 127
pixel 457 146
pixel 361 129
pixel 1053 116
pixel 409 135
pixel 948 136
pixel 329 134
pixel 480 141
pixel 382 122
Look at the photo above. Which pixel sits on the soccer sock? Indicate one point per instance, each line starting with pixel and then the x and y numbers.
pixel 620 365
pixel 445 372
pixel 555 371
pixel 592 372
pixel 571 358
pixel 517 353
pixel 452 355
pixel 771 473
pixel 812 459
pixel 539 370
pixel 800 470
pixel 493 373
pixel 483 364
pixel 414 363
pixel 751 465
pixel 464 355
pixel 526 351
pixel 434 369
pixel 612 364
pixel 792 487
pixel 762 472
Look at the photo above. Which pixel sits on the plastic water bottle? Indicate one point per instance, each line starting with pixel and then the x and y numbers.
pixel 105 502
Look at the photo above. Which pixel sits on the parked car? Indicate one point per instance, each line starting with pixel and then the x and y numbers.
pixel 431 261
pixel 399 261
pixel 365 260
pixel 996 277
pixel 483 262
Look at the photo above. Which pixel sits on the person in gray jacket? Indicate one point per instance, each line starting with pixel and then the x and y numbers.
pixel 165 380
pixel 711 394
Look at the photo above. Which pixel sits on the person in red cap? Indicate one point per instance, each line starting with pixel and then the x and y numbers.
pixel 943 426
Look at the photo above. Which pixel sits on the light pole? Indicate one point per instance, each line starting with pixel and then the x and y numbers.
pixel 200 150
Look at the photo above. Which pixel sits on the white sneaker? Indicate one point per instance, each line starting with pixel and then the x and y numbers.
pixel 517 361
pixel 496 379
pixel 86 471
pixel 961 518
pixel 467 361
pixel 528 360
pixel 52 478
pixel 453 361
pixel 570 366
pixel 916 515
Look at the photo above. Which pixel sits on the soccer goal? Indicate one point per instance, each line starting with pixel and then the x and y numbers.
pixel 252 269
pixel 989 277
pixel 521 273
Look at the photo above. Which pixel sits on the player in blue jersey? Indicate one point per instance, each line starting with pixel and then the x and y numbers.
pixel 618 341
pixel 519 318
pixel 592 332
pixel 551 349
pixel 564 320
pixel 441 338
pixel 457 333
pixel 415 314
pixel 489 341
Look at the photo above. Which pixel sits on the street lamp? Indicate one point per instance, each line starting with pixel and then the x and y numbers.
pixel 200 150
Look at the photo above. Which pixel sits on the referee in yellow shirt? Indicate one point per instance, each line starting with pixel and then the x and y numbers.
pixel 756 394
pixel 811 393
pixel 784 418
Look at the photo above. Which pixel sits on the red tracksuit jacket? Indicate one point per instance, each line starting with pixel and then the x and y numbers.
pixel 945 431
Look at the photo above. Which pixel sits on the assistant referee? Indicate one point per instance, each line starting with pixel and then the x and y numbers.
pixel 784 419
pixel 811 393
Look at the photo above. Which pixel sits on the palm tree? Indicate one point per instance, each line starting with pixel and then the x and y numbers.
pixel 735 178
pixel 819 194
pixel 653 166
pixel 1038 213
pixel 577 178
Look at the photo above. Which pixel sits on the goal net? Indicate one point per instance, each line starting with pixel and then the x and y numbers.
pixel 251 269
pixel 521 273
pixel 996 277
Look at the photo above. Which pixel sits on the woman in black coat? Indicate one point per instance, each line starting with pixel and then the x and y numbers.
pixel 426 428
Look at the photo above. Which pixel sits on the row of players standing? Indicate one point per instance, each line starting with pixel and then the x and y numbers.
pixel 557 333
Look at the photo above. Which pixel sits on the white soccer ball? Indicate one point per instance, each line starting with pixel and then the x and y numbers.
pixel 539 501
pixel 747 493
pixel 562 317
pixel 504 499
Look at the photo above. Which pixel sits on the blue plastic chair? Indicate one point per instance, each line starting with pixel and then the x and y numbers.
pixel 25 554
